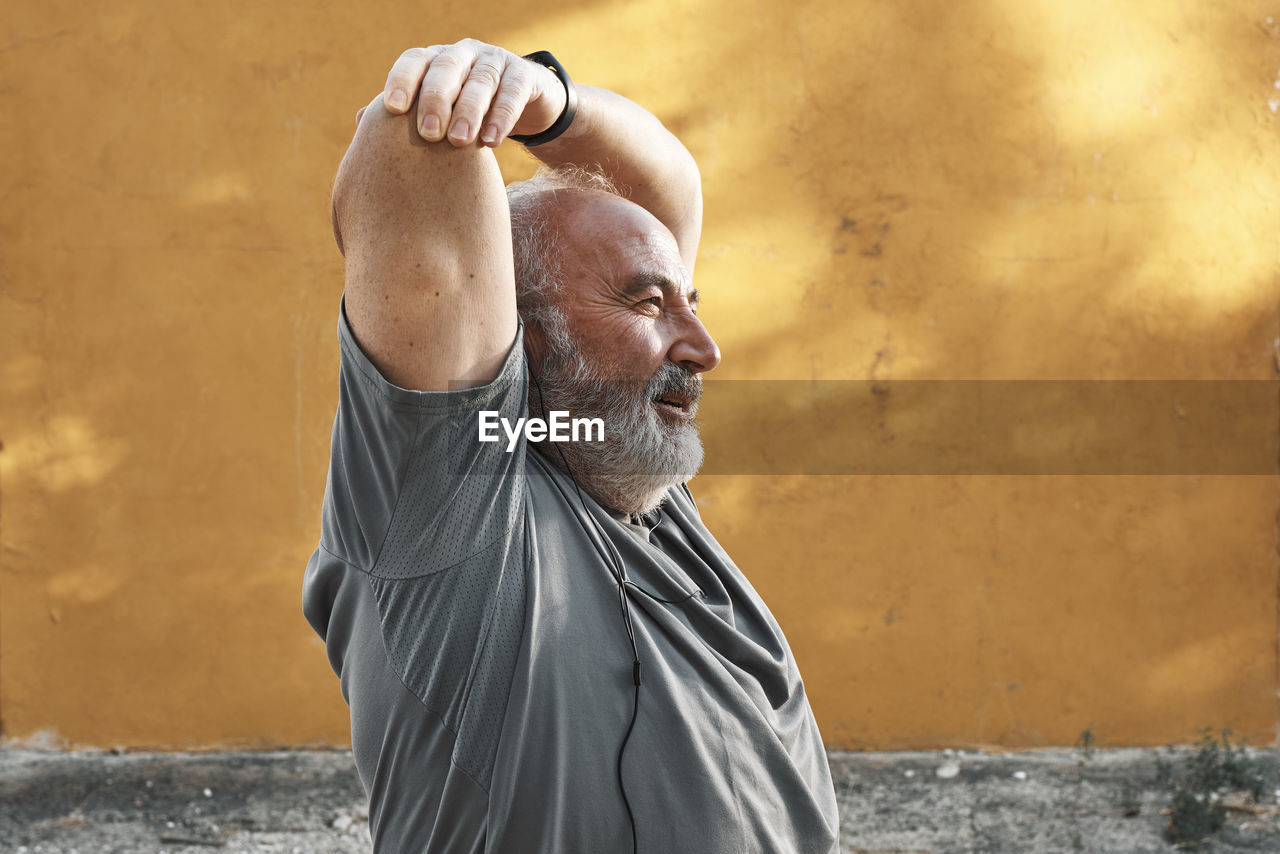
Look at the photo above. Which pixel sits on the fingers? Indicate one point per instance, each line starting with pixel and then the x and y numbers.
pixel 440 87
pixel 507 104
pixel 466 92
pixel 462 89
pixel 405 76
pixel 473 102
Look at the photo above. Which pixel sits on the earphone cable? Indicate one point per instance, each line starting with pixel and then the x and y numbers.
pixel 619 573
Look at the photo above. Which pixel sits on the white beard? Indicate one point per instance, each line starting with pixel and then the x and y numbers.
pixel 641 456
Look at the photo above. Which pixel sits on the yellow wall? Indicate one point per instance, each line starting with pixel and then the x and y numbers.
pixel 995 190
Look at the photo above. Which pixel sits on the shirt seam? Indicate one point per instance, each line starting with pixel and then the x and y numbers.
pixel 416 399
pixel 348 561
pixel 386 654
pixel 374 385
pixel 401 484
pixel 457 563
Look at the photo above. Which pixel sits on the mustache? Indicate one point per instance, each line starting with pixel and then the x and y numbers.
pixel 672 380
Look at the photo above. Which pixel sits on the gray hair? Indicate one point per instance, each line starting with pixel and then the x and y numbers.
pixel 535 249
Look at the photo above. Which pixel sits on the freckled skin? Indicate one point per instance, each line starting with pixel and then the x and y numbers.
pixel 607 242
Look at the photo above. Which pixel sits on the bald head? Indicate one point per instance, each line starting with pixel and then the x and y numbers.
pixel 538 221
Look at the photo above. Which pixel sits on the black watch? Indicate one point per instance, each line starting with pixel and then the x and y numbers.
pixel 544 57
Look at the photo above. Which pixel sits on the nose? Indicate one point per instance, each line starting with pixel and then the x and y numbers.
pixel 694 348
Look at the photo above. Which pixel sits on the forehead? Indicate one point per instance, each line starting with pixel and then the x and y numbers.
pixel 609 238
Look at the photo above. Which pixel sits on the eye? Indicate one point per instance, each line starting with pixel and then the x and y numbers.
pixel 654 301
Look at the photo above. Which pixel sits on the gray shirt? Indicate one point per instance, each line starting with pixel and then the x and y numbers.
pixel 471 614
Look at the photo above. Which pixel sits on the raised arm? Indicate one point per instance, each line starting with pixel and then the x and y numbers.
pixel 420 212
pixel 642 158
pixel 610 133
pixel 430 290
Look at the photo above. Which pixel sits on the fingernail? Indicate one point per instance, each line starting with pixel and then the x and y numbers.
pixel 460 129
pixel 431 128
pixel 490 133
pixel 398 99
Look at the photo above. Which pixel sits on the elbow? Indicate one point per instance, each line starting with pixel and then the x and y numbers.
pixel 337 232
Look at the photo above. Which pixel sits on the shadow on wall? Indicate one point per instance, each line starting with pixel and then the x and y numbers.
pixel 995 192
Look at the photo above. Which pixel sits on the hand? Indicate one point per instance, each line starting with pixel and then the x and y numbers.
pixel 473 90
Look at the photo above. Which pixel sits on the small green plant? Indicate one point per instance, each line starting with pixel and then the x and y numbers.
pixel 1085 751
pixel 1214 768
pixel 1085 744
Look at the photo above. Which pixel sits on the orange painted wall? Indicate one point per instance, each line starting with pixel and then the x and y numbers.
pixel 914 190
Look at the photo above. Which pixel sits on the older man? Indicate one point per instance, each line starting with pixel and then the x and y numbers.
pixel 542 647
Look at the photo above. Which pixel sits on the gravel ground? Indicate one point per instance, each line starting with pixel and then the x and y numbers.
pixel 174 802
pixel 1109 802
pixel 891 803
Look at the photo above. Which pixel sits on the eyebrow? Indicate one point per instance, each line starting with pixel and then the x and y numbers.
pixel 644 281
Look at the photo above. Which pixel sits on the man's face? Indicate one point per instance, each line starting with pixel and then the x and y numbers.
pixel 637 353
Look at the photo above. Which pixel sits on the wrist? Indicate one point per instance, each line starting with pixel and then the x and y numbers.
pixel 567 114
